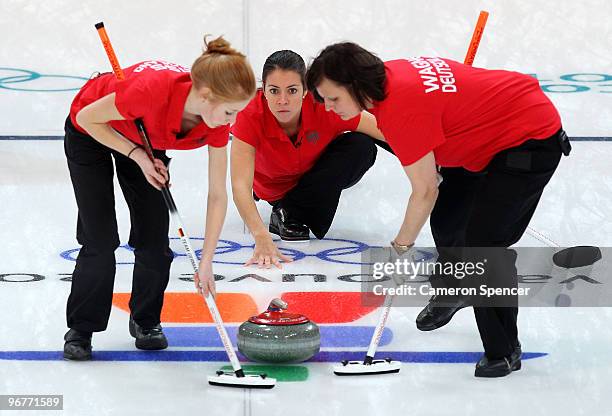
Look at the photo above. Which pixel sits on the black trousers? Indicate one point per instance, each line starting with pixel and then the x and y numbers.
pixel 314 200
pixel 91 171
pixel 493 208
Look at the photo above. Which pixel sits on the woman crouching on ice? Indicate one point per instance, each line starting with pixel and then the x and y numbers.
pixel 288 150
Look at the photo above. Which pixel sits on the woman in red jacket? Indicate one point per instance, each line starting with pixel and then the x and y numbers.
pixel 498 140
pixel 181 109
pixel 288 150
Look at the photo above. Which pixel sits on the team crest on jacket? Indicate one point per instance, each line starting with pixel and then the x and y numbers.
pixel 312 136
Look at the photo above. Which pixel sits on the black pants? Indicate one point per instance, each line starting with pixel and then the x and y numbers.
pixel 493 209
pixel 314 200
pixel 91 171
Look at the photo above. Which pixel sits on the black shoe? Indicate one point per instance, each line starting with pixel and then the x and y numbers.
pixel 515 358
pixel 499 368
pixel 148 338
pixel 286 228
pixel 77 346
pixel 439 311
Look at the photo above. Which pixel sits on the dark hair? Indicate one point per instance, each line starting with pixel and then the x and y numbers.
pixel 361 72
pixel 286 60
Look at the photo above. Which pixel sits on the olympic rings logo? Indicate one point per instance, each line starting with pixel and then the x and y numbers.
pixel 37 82
pixel 225 247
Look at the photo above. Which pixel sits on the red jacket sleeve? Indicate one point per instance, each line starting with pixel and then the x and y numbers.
pixel 245 128
pixel 412 136
pixel 219 137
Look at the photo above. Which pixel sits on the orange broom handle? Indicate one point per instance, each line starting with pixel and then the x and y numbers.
pixel 476 36
pixel 110 52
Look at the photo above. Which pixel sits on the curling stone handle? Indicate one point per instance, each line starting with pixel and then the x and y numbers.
pixel 277 303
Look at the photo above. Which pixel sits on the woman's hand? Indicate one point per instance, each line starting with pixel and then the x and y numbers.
pixel 155 172
pixel 205 279
pixel 266 253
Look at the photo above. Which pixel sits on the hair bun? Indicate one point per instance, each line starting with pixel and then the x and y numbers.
pixel 219 46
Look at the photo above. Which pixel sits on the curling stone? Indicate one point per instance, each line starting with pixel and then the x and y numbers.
pixel 276 336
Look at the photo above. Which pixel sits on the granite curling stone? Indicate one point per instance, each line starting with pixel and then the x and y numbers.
pixel 276 336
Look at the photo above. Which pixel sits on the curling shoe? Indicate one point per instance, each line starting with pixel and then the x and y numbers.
pixel 287 228
pixel 439 311
pixel 77 346
pixel 148 338
pixel 499 368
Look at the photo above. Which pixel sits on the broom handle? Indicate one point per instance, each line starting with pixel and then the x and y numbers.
pixel 476 36
pixel 380 326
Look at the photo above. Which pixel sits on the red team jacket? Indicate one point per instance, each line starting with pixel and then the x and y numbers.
pixel 465 115
pixel 155 91
pixel 279 164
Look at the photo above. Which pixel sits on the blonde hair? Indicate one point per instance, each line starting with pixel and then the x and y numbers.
pixel 224 70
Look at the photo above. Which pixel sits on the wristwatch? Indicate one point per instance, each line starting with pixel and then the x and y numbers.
pixel 400 248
